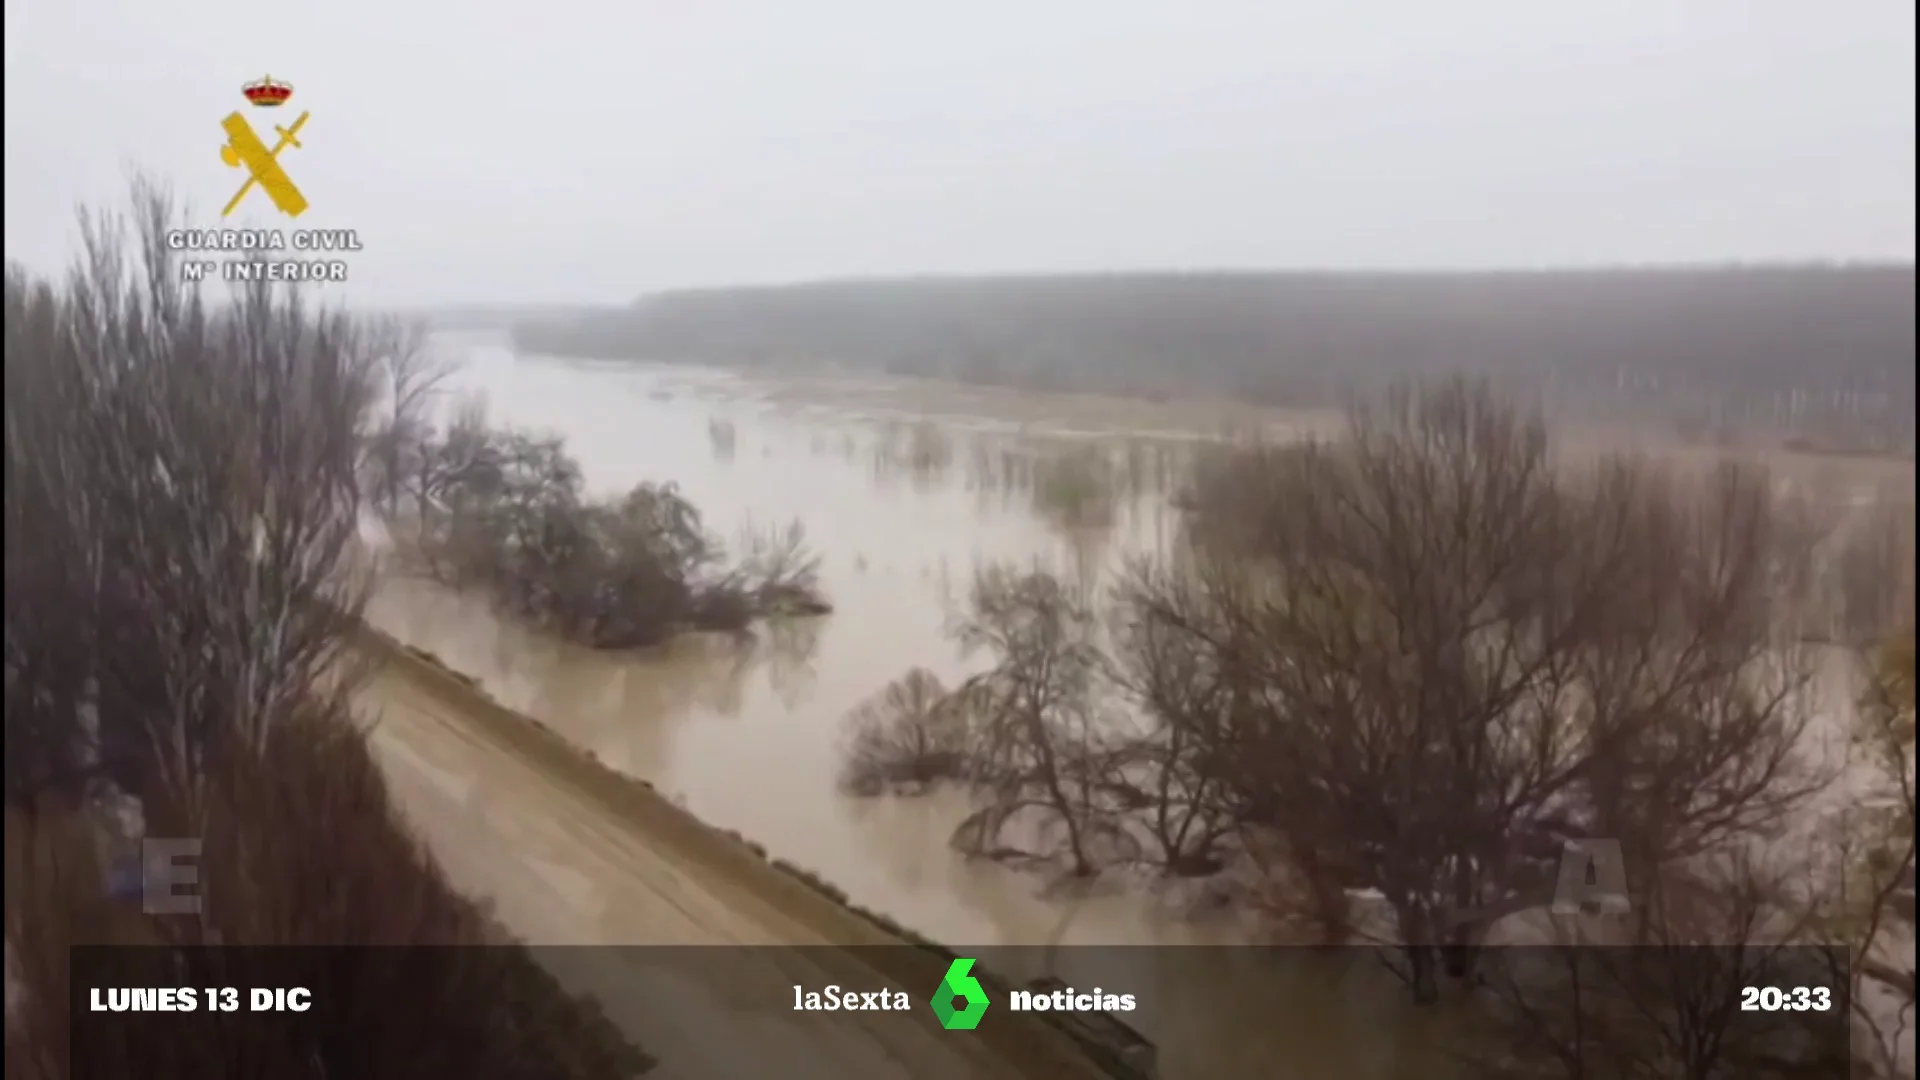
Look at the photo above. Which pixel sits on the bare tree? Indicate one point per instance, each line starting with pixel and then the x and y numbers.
pixel 1039 746
pixel 301 846
pixel 1870 898
pixel 409 375
pixel 1871 570
pixel 774 572
pixel 1449 655
pixel 1672 991
pixel 182 499
pixel 1178 774
pixel 507 512
pixel 909 735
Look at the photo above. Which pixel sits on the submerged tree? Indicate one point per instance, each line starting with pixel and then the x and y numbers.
pixel 910 735
pixel 1038 744
pixel 1417 661
pixel 1448 656
pixel 1872 915
pixel 1672 989
pixel 1179 772
pixel 507 512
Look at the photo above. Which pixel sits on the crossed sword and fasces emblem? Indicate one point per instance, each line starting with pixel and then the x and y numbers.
pixel 263 167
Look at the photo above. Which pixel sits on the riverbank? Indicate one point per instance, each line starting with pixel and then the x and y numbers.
pixel 771 903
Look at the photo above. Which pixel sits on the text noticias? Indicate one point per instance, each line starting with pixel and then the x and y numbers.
pixel 1070 1000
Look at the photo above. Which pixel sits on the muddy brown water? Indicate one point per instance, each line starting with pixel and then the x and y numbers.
pixel 750 740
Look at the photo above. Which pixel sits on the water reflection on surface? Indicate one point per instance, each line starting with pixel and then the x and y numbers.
pixel 747 733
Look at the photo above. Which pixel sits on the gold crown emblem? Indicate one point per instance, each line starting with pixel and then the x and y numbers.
pixel 267 92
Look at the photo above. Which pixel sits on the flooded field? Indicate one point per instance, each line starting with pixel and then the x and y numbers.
pixel 901 505
pixel 902 495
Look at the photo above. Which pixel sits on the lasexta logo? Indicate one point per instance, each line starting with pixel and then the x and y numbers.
pixel 960 1002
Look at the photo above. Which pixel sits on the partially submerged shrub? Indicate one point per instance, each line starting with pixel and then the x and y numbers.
pixel 1077 487
pixel 775 574
pixel 723 437
pixel 909 736
pixel 506 512
pixel 922 453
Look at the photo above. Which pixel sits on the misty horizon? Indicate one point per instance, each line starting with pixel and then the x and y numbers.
pixel 630 151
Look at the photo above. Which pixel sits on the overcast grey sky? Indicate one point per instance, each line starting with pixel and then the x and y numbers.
pixel 570 149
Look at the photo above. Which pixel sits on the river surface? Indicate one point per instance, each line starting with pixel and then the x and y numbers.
pixel 750 739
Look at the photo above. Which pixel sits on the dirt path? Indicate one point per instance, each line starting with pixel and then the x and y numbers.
pixel 574 855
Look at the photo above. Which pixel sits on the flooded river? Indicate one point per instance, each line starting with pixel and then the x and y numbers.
pixel 750 740
pixel 902 494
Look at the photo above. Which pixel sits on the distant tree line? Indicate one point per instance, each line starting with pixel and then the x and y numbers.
pixel 464 317
pixel 1822 352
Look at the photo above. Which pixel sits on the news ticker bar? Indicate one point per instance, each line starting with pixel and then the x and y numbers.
pixel 1162 995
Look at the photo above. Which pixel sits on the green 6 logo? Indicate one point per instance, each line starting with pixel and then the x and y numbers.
pixel 956 987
